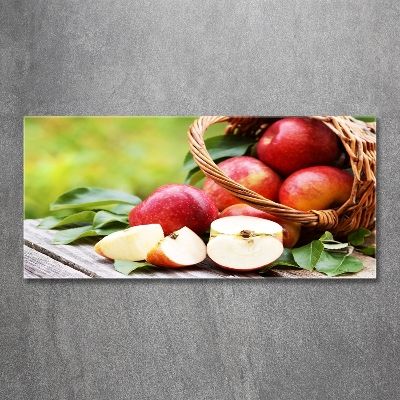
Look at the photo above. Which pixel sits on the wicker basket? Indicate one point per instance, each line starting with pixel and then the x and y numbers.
pixel 359 141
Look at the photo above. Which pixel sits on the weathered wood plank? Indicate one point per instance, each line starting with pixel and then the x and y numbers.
pixel 38 265
pixel 81 256
pixel 30 275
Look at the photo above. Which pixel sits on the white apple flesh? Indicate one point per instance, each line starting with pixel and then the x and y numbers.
pixel 130 244
pixel 243 243
pixel 179 249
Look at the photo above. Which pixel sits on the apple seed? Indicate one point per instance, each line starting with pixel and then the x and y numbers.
pixel 246 234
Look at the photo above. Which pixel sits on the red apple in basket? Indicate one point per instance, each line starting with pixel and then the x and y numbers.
pixel 248 172
pixel 291 230
pixel 174 206
pixel 295 143
pixel 316 188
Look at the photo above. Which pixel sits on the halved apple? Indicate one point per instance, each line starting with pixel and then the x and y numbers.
pixel 179 249
pixel 131 244
pixel 243 243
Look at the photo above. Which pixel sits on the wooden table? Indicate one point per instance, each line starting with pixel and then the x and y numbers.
pixel 79 261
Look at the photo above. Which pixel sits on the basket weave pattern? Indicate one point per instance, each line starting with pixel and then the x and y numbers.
pixel 359 141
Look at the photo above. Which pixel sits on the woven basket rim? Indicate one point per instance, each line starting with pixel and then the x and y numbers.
pixel 359 140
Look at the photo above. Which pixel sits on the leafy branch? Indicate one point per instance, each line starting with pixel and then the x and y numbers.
pixel 326 255
pixel 89 212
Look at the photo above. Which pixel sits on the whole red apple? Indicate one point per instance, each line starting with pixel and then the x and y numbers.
pixel 291 230
pixel 316 188
pixel 295 143
pixel 248 172
pixel 174 206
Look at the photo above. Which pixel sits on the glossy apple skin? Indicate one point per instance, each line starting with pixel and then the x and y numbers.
pixel 291 144
pixel 291 230
pixel 248 172
pixel 174 206
pixel 316 188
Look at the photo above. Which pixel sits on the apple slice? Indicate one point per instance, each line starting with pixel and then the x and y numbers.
pixel 131 244
pixel 243 243
pixel 179 249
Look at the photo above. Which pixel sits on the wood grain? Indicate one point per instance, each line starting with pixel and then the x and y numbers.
pixel 38 265
pixel 44 259
pixel 81 256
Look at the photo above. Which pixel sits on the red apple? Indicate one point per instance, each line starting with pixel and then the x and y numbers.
pixel 295 143
pixel 316 188
pixel 291 230
pixel 174 206
pixel 248 172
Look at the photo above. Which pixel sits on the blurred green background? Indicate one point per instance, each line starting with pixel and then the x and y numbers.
pixel 131 154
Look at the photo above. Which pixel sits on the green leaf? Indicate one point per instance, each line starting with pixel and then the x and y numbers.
pixel 307 256
pixel 103 218
pixel 220 147
pixel 366 118
pixel 333 264
pixel 122 209
pixel 68 236
pixel 286 259
pixel 194 176
pixel 330 243
pixel 92 198
pixel 329 263
pixel 49 222
pixel 126 267
pixel 356 238
pixel 327 237
pixel 368 250
pixel 55 222
pixel 351 264
pixel 335 246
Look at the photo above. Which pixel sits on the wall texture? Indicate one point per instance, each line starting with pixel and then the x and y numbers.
pixel 199 339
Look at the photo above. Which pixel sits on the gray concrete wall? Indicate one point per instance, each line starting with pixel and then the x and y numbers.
pixel 201 339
